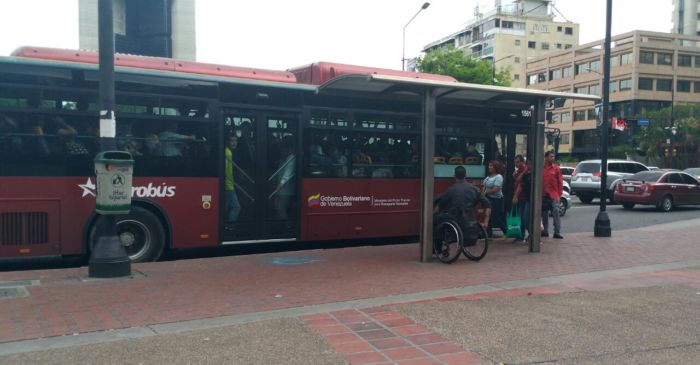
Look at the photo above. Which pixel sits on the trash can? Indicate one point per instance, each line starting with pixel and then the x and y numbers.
pixel 114 170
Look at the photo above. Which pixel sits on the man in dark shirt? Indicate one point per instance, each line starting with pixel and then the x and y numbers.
pixel 459 201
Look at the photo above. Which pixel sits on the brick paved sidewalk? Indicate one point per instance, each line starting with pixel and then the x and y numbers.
pixel 194 289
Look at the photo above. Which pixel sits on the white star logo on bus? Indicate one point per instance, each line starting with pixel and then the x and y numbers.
pixel 88 188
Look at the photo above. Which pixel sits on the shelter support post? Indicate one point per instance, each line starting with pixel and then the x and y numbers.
pixel 536 163
pixel 427 175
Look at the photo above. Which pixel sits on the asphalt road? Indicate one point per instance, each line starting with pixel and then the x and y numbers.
pixel 581 217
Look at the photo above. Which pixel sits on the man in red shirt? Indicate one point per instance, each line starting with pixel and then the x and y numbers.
pixel 552 188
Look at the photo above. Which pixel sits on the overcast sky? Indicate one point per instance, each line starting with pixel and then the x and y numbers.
pixel 279 34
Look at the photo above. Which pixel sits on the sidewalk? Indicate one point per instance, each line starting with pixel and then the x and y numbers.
pixel 173 297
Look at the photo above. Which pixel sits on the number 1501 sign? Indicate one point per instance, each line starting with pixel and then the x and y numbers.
pixel 526 113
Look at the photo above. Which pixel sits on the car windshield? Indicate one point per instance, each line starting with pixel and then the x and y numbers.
pixel 693 171
pixel 587 167
pixel 647 176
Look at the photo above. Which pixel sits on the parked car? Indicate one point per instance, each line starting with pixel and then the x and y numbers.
pixel 665 189
pixel 585 180
pixel 567 171
pixel 565 201
pixel 693 171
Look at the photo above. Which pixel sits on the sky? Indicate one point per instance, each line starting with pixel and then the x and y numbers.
pixel 279 34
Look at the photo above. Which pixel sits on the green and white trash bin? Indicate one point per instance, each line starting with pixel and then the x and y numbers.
pixel 114 170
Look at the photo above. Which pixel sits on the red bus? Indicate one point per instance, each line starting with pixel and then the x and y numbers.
pixel 225 155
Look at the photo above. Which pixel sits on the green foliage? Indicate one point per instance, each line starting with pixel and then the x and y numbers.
pixel 686 119
pixel 455 63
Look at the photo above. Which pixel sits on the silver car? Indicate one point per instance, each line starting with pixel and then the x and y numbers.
pixel 585 181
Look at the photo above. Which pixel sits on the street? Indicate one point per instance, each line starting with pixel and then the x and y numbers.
pixel 581 217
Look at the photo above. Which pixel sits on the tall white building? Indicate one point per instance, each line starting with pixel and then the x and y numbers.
pixel 686 17
pixel 163 28
pixel 512 33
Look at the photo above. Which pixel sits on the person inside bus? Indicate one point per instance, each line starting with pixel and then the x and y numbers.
pixel 233 207
pixel 8 134
pixel 284 190
pixel 172 142
pixel 472 156
pixel 318 162
pixel 459 201
pixel 245 152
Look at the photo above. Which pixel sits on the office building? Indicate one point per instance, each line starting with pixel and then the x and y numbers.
pixel 159 28
pixel 511 34
pixel 649 70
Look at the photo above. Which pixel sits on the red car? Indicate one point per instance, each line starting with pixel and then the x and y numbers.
pixel 665 189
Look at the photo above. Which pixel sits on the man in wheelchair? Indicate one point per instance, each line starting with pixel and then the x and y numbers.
pixel 458 203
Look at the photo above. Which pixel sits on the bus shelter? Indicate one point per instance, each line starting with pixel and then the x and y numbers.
pixel 429 93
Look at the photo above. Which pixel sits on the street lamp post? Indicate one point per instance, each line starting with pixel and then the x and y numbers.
pixel 403 53
pixel 602 222
pixel 493 66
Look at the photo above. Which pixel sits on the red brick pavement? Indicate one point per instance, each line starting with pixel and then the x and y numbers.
pixel 203 288
pixel 381 336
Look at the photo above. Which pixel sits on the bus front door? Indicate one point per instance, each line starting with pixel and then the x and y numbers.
pixel 260 184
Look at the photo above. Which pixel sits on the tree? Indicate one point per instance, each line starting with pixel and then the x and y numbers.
pixel 652 138
pixel 455 63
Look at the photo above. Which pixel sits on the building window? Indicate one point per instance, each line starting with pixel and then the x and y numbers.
pixel 531 79
pixel 594 90
pixel 685 60
pixel 567 71
pixel 664 58
pixel 645 83
pixel 625 84
pixel 565 138
pixel 569 31
pixel 532 44
pixel 556 118
pixel 613 86
pixel 558 45
pixel 581 68
pixel 581 90
pixel 696 87
pixel 614 61
pixel 542 77
pixel 664 85
pixel 559 29
pixel 626 58
pixel 516 59
pixel 566 117
pixel 567 46
pixel 540 28
pixel 579 115
pixel 516 77
pixel 646 57
pixel 555 74
pixel 697 61
pixel 594 65
pixel 545 45
pixel 683 86
pixel 517 42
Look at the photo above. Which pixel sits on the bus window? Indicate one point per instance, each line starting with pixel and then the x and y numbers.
pixel 451 151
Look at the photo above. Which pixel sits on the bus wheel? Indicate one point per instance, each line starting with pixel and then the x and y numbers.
pixel 140 232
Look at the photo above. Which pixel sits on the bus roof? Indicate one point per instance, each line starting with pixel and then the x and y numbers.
pixel 320 72
pixel 156 63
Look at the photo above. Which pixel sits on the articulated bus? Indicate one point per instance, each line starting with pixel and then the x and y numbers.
pixel 226 155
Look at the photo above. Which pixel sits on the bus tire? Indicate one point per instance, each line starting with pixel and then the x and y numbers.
pixel 141 233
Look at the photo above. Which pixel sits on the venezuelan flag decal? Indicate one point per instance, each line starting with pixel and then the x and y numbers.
pixel 314 200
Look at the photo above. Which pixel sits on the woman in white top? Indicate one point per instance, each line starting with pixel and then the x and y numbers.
pixel 493 184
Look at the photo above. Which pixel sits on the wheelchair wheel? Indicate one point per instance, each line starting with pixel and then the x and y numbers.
pixel 447 241
pixel 475 248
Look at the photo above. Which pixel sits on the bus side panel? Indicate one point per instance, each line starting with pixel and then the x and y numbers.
pixel 359 208
pixel 44 215
pixel 190 205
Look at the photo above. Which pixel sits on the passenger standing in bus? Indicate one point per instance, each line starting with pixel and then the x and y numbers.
pixel 171 142
pixel 245 153
pixel 492 189
pixel 284 176
pixel 233 207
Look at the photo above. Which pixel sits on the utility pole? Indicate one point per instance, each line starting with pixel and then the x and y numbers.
pixel 602 222
pixel 108 259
